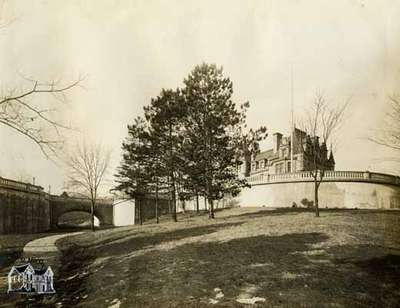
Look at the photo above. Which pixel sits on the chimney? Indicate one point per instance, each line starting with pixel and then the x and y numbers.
pixel 277 137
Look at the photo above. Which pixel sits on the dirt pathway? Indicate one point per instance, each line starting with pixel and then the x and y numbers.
pixel 45 249
pixel 45 244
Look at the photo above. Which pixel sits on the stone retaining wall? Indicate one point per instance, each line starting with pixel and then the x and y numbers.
pixel 331 195
pixel 23 212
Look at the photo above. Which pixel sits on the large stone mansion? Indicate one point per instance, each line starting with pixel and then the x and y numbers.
pixel 278 159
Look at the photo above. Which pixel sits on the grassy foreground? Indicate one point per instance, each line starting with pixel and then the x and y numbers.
pixel 272 258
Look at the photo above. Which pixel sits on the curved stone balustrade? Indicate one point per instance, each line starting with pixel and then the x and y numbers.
pixel 330 176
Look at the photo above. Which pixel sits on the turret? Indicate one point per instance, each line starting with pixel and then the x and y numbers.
pixel 331 160
pixel 323 151
pixel 277 139
pixel 245 168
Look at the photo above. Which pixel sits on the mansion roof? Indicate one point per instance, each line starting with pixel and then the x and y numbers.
pixel 268 154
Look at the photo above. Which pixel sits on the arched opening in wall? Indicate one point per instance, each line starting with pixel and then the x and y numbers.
pixel 76 219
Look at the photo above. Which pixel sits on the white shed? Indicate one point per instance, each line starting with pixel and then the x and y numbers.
pixel 124 212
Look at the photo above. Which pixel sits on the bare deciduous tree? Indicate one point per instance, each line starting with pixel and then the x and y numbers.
pixel 20 111
pixel 389 134
pixel 321 121
pixel 87 166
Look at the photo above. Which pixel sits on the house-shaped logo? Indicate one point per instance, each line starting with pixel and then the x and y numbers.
pixel 25 278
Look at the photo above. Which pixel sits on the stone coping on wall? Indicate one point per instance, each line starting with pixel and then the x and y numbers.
pixel 61 198
pixel 20 186
pixel 330 176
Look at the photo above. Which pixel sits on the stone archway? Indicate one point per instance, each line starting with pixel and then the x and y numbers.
pixel 63 205
pixel 76 219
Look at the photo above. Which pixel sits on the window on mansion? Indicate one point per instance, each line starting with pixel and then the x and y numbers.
pixel 279 168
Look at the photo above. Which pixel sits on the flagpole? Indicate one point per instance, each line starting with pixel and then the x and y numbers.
pixel 292 121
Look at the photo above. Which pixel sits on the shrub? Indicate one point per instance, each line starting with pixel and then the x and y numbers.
pixel 307 203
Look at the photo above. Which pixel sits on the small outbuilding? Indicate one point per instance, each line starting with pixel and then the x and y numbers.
pixel 124 212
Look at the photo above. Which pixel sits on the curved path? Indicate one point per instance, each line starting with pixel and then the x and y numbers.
pixel 46 244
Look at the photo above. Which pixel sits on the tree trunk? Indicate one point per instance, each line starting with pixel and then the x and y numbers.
pixel 169 196
pixel 197 203
pixel 172 176
pixel 183 206
pixel 211 212
pixel 316 186
pixel 140 211
pixel 158 221
pixel 92 215
pixel 173 199
pixel 205 203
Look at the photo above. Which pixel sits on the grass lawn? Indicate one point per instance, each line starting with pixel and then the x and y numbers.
pixel 273 258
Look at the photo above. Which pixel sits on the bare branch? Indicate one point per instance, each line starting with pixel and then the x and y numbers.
pixel 19 112
pixel 389 135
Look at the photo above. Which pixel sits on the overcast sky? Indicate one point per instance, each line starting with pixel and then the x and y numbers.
pixel 129 50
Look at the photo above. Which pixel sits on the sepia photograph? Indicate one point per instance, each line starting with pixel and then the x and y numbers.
pixel 226 153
